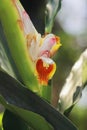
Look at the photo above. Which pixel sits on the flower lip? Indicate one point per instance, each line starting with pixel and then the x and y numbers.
pixel 45 69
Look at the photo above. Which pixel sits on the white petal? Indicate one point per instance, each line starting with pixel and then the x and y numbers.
pixel 28 26
pixel 47 45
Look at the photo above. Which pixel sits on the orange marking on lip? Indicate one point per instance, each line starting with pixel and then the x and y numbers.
pixel 44 71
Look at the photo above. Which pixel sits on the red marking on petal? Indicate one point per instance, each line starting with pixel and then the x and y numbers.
pixel 25 14
pixel 52 41
pixel 44 72
pixel 45 53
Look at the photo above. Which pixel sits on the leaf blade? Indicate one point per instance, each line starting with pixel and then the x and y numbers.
pixel 28 100
pixel 17 46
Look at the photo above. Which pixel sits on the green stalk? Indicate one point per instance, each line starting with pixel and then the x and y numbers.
pixel 17 43
pixel 47 92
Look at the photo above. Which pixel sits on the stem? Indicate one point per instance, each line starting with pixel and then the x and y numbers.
pixel 46 92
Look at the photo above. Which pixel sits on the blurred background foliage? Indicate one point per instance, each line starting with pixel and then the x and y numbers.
pixel 71 25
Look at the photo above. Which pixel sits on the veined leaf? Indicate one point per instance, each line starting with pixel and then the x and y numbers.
pixel 16 98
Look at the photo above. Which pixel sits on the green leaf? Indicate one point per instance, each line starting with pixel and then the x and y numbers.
pixel 17 43
pixel 32 119
pixel 30 107
pixel 52 7
pixel 6 60
pixel 1 116
pixel 9 119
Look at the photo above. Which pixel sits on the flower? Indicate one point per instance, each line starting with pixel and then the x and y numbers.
pixel 40 49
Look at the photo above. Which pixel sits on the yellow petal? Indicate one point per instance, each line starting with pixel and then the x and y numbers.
pixel 56 46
